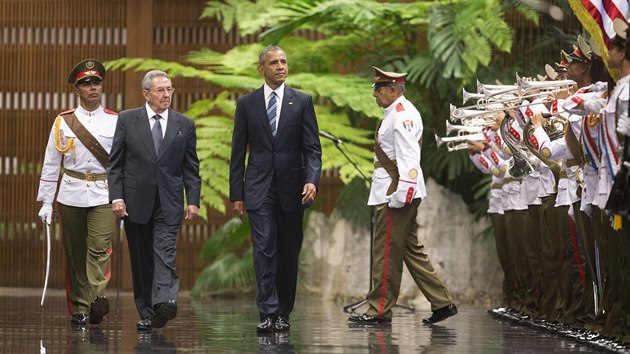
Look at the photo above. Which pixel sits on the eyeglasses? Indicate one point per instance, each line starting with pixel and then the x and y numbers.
pixel 162 90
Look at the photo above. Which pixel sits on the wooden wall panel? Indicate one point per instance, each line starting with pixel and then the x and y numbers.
pixel 40 42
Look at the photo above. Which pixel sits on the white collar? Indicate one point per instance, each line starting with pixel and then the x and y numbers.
pixel 151 113
pixel 279 91
pixel 85 112
pixel 391 106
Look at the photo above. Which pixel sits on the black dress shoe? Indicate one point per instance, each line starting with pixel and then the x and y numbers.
pixel 281 324
pixel 266 326
pixel 164 312
pixel 367 319
pixel 79 320
pixel 441 314
pixel 144 324
pixel 98 309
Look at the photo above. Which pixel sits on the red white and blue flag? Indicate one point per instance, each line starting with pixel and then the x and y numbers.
pixel 597 18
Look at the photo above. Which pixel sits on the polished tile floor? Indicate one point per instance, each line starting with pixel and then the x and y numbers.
pixel 228 326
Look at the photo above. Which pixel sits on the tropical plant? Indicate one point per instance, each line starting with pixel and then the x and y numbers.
pixel 441 44
pixel 229 254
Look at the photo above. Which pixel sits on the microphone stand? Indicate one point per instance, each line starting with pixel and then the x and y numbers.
pixel 350 308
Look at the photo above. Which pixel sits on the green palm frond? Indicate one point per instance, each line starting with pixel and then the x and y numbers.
pixel 441 44
pixel 352 202
pixel 248 16
pixel 240 60
pixel 230 274
pixel 529 13
pixel 232 237
pixel 231 268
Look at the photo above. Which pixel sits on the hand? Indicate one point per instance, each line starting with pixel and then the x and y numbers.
pixel 191 212
pixel 562 94
pixel 45 213
pixel 623 126
pixel 594 105
pixel 475 147
pixel 498 118
pixel 537 120
pixel 395 204
pixel 119 208
pixel 308 193
pixel 238 209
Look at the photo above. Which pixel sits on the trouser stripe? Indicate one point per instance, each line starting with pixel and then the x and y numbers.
pixel 386 262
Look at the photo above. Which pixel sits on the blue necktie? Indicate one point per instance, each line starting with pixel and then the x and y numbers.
pixel 271 112
pixel 156 131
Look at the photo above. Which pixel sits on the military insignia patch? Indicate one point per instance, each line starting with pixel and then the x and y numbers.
pixel 407 124
pixel 413 174
pixel 495 172
pixel 545 152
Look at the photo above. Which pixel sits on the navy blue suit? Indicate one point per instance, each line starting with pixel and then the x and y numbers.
pixel 271 188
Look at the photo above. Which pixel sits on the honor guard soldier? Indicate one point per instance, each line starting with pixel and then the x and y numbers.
pixel 80 140
pixel 396 192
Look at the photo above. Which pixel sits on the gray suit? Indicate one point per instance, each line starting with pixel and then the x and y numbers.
pixel 152 186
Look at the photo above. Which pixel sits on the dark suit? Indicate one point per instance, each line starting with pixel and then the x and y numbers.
pixel 152 187
pixel 271 188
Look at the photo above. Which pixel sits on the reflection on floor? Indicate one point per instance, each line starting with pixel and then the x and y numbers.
pixel 228 326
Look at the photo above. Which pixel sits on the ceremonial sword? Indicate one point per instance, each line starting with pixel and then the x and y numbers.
pixel 47 262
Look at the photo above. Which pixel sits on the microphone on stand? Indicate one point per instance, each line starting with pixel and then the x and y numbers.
pixel 331 137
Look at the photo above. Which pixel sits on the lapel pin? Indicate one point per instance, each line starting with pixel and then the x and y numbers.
pixel 179 133
pixel 290 102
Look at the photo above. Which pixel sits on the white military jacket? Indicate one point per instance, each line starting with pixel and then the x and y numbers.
pixel 398 136
pixel 101 123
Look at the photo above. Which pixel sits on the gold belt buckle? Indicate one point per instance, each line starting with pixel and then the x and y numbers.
pixel 89 176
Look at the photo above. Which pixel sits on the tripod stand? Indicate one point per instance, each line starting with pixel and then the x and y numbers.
pixel 353 306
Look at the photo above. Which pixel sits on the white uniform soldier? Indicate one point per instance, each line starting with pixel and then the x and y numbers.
pixel 396 192
pixel 80 140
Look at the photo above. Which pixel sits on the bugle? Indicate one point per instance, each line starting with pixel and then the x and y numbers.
pixel 487 87
pixel 459 142
pixel 524 85
pixel 466 96
pixel 467 128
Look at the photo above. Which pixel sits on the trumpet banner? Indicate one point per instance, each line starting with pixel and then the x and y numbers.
pixel 597 18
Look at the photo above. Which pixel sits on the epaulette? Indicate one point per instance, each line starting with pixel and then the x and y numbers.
pixel 400 107
pixel 67 112
pixel 109 111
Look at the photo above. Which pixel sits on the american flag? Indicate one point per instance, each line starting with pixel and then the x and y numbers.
pixel 597 18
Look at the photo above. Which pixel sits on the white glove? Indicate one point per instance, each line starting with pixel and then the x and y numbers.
pixel 45 213
pixel 599 86
pixel 393 203
pixel 594 105
pixel 623 126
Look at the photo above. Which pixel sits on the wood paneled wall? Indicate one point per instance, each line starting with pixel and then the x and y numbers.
pixel 41 41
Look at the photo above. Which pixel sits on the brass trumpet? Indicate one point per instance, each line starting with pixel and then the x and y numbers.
pixel 558 85
pixel 466 96
pixel 469 111
pixel 467 128
pixel 481 88
pixel 459 142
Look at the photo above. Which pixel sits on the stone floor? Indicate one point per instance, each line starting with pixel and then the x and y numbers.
pixel 228 326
